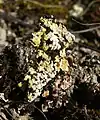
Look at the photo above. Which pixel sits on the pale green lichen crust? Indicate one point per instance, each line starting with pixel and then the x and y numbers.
pixel 50 43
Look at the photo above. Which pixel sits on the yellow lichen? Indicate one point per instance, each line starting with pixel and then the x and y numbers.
pixel 50 42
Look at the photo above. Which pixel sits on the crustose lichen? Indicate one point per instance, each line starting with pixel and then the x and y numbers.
pixel 50 43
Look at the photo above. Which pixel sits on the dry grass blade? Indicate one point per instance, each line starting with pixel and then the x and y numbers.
pixel 86 30
pixel 86 24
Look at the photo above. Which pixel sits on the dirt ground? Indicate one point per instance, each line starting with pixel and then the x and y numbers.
pixel 18 20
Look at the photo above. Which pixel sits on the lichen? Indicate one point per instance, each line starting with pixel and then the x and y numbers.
pixel 50 43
